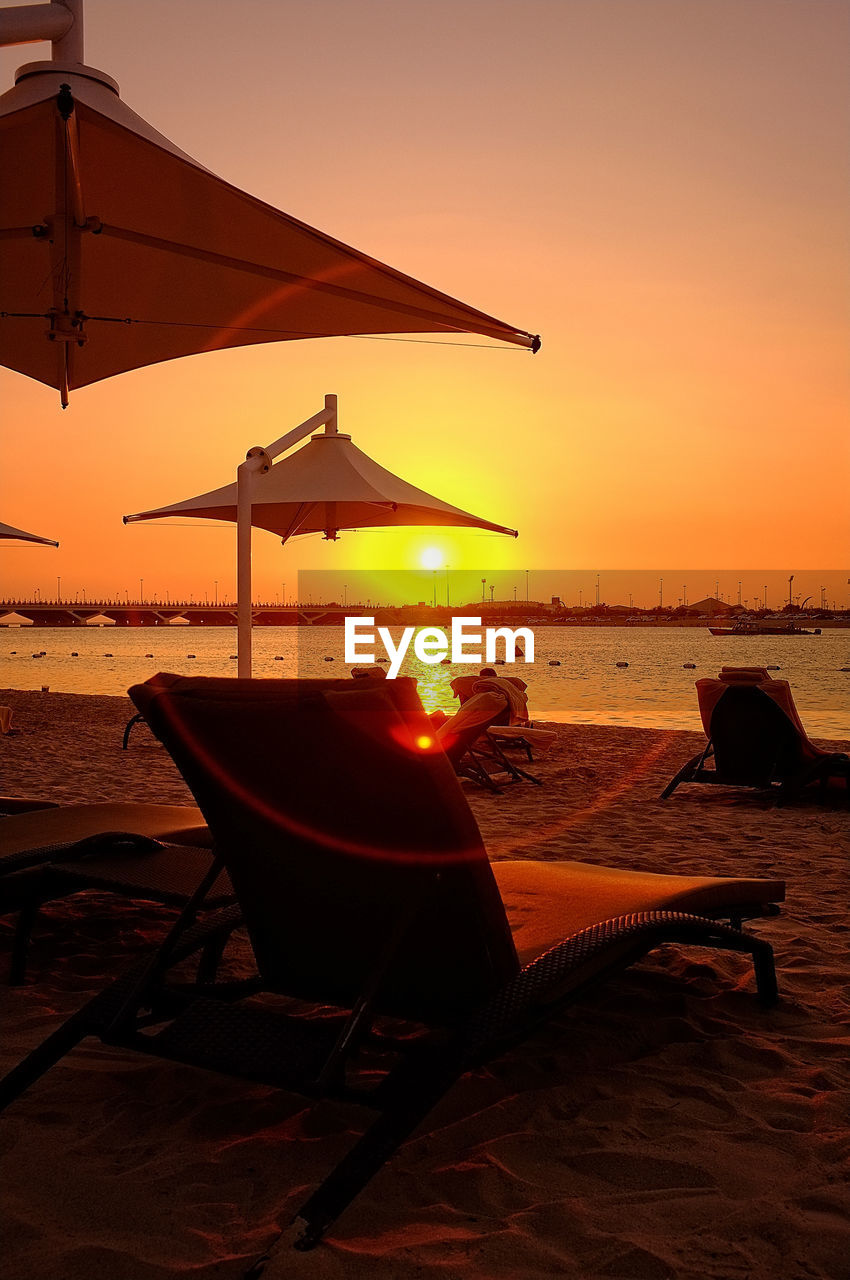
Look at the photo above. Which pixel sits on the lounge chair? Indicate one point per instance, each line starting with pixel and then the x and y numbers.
pixel 756 738
pixel 512 729
pixel 365 887
pixel 155 852
pixel 472 750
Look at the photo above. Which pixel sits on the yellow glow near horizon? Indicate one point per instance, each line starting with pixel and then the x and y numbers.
pixel 431 558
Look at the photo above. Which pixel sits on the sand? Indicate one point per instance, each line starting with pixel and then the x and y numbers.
pixel 664 1126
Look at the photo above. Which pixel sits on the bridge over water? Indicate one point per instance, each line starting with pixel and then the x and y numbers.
pixel 105 613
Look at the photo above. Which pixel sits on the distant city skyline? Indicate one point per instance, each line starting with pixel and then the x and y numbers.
pixel 641 589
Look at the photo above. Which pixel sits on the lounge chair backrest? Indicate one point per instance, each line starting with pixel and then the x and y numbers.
pixel 339 817
pixel 473 718
pixel 462 687
pixel 754 740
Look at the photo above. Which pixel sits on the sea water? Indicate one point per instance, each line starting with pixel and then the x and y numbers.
pixel 591 684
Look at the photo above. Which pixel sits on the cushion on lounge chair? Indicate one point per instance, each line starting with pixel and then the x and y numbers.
pixel 545 901
pixel 171 823
pixel 539 739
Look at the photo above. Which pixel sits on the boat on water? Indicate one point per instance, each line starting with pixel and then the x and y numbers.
pixel 763 627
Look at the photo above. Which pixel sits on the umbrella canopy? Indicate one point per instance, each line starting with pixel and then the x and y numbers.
pixel 117 250
pixel 18 535
pixel 327 485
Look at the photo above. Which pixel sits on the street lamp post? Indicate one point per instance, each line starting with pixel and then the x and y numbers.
pixel 141 591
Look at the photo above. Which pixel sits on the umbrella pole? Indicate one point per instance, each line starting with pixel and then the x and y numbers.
pixel 257 462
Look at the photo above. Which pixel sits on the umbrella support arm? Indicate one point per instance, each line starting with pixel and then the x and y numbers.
pixel 60 21
pixel 326 418
pixel 258 462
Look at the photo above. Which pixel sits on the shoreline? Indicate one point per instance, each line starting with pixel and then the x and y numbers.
pixel 663 1126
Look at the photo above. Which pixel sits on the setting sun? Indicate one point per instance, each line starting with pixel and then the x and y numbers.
pixel 431 558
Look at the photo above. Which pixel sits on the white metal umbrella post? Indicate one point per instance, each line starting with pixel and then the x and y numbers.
pixel 258 461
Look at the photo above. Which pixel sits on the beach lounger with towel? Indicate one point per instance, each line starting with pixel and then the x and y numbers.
pixel 756 738
pixel 474 753
pixel 366 890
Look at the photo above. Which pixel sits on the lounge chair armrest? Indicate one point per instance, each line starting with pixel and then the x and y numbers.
pixel 566 968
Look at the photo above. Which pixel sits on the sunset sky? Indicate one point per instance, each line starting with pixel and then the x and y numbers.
pixel 658 187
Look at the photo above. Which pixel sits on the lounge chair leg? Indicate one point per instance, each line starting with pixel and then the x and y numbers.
pixel 423 1088
pixel 21 941
pixel 133 720
pixel 211 958
pixel 764 969
pixel 685 774
pixel 41 1059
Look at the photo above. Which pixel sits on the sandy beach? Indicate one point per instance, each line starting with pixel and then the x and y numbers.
pixel 665 1126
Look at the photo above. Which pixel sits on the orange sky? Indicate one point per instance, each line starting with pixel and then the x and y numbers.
pixel 657 187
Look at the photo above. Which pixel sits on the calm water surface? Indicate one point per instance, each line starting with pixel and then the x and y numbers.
pixel 655 689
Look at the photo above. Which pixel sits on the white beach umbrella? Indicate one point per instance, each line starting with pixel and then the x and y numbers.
pixel 118 250
pixel 18 535
pixel 324 487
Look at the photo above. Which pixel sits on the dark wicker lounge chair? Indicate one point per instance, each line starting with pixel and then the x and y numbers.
pixel 154 852
pixel 365 887
pixel 756 739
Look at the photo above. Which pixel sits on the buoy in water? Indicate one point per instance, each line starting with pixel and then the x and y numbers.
pixel 622 664
pixel 689 666
pixel 553 662
pixel 499 662
pixel 278 658
pixel 233 657
pixel 190 655
pixel 107 655
pixel 148 655
pixel 773 668
pixel 444 662
pixel 75 654
pixel 840 668
pixel 328 658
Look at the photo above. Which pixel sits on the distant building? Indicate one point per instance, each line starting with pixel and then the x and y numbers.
pixel 710 608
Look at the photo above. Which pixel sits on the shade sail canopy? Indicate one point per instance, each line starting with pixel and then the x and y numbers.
pixel 117 250
pixel 18 535
pixel 327 485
